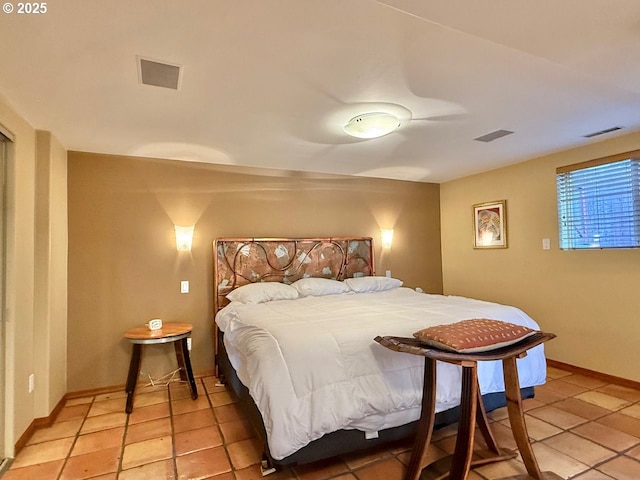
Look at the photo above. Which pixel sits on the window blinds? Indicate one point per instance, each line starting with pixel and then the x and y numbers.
pixel 599 203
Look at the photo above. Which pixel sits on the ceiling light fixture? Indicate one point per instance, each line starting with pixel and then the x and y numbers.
pixel 372 125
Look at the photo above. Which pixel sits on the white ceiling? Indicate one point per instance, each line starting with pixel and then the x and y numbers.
pixel 270 83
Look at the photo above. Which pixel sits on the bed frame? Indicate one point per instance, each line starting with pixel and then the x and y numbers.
pixel 240 261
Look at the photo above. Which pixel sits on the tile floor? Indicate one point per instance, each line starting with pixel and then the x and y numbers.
pixel 581 428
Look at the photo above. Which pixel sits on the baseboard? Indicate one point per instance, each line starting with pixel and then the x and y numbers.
pixel 623 382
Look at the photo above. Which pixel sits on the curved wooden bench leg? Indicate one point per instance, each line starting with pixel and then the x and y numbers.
pixel 516 417
pixel 467 423
pixel 483 425
pixel 427 421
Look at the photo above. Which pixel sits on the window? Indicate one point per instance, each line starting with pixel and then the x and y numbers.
pixel 599 203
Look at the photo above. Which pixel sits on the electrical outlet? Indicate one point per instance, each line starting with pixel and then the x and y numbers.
pixel 184 286
pixel 189 343
pixel 32 382
pixel 388 273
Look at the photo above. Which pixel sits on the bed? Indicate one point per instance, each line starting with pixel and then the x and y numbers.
pixel 294 334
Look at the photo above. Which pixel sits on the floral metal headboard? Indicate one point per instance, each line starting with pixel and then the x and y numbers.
pixel 239 261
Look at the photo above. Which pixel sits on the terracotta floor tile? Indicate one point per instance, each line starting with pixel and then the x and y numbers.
pixel 500 413
pixel 138 432
pixel 563 388
pixel 106 476
pixel 163 470
pixel 93 442
pixel 505 469
pixel 584 381
pixel 56 431
pixel 634 453
pixel 203 464
pixel 579 448
pixel 212 385
pixel 40 471
pixel 147 451
pixel 245 452
pixel 187 405
pixel 504 436
pixel 103 422
pixel 321 470
pixel 606 436
pixel 548 396
pixel 222 398
pixel 552 460
pixel 632 411
pixel 390 469
pixel 581 408
pixel 73 412
pixel 237 430
pixel 227 413
pixel 193 420
pixel 554 373
pixel 254 473
pixel 358 460
pixel 537 429
pixel 103 407
pixel 78 401
pixel 152 412
pixel 43 452
pixel 91 464
pixel 622 468
pixel 179 391
pixel 195 440
pixel 555 416
pixel 619 391
pixel 603 400
pixel 623 423
pixel 151 398
pixel 110 395
pixel 592 475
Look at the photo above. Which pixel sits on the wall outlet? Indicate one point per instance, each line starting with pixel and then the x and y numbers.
pixel 184 286
pixel 32 382
pixel 189 344
pixel 388 273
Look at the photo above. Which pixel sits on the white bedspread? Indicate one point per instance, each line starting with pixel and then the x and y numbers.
pixel 312 366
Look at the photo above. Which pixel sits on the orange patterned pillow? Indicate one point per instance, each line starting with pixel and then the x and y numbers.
pixel 475 335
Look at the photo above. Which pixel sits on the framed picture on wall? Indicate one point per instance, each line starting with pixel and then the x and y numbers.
pixel 490 225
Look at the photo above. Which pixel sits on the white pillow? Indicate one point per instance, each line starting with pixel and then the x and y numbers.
pixel 263 292
pixel 372 284
pixel 316 287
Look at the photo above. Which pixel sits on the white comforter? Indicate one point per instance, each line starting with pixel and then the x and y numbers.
pixel 312 366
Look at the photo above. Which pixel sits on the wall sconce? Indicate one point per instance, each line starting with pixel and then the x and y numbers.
pixel 386 234
pixel 184 238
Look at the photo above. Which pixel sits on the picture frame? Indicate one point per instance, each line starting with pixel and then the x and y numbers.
pixel 490 224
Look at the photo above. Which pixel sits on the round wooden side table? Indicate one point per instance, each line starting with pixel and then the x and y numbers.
pixel 176 333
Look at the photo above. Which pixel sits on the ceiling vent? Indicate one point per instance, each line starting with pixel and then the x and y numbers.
pixel 490 137
pixel 602 132
pixel 159 74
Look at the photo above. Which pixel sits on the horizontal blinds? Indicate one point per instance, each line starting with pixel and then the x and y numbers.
pixel 599 204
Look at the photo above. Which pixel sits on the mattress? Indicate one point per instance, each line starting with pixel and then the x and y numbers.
pixel 312 366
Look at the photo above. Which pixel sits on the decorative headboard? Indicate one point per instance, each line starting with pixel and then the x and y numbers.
pixel 239 261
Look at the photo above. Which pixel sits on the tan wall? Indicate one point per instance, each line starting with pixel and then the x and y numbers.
pixel 588 298
pixel 124 268
pixel 22 335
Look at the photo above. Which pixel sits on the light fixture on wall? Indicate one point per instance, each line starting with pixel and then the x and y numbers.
pixel 386 234
pixel 184 238
pixel 372 125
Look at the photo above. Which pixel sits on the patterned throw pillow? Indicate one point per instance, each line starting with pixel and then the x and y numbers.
pixel 475 335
